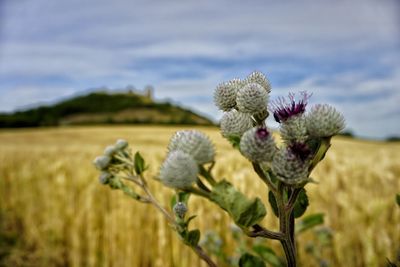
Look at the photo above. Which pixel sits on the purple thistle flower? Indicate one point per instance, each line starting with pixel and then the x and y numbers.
pixel 283 110
pixel 262 133
pixel 300 150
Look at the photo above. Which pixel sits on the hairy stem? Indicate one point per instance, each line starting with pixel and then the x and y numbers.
pixel 198 192
pixel 201 253
pixel 286 226
pixel 207 174
pixel 153 201
pixel 197 249
pixel 260 231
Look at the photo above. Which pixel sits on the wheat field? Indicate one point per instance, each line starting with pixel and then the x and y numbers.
pixel 53 211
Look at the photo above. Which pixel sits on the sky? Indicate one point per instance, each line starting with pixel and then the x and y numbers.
pixel 346 53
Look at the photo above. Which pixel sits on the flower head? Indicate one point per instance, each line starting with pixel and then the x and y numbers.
pixel 284 110
pixel 179 170
pixel 300 150
pixel 104 177
pixel 121 144
pixel 289 168
pixel 110 151
pixel 324 121
pixel 194 143
pixel 260 79
pixel 252 98
pixel 294 129
pixel 235 123
pixel 258 145
pixel 225 94
pixel 102 162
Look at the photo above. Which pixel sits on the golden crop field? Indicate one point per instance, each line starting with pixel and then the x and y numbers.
pixel 53 211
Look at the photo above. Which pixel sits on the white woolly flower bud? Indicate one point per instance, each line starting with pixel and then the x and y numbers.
pixel 294 129
pixel 324 121
pixel 180 209
pixel 252 98
pixel 259 78
pixel 104 177
pixel 121 144
pixel 194 143
pixel 179 170
pixel 102 162
pixel 225 94
pixel 289 168
pixel 258 145
pixel 235 123
pixel 110 151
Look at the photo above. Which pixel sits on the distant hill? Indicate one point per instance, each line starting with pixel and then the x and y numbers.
pixel 103 108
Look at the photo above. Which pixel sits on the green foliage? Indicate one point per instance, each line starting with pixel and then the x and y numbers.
pixel 139 164
pixel 301 204
pixel 99 103
pixel 272 202
pixel 244 212
pixel 319 148
pixel 398 199
pixel 268 255
pixel 322 239
pixel 309 222
pixel 193 237
pixel 393 139
pixel 248 260
pixel 235 141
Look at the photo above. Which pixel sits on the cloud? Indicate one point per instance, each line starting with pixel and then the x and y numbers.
pixel 345 51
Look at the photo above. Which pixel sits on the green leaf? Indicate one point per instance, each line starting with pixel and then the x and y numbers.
pixel 248 260
pixel 268 255
pixel 309 221
pixel 235 141
pixel 319 148
pixel 115 183
pixel 139 163
pixel 398 199
pixel 193 237
pixel 243 211
pixel 172 202
pixel 301 204
pixel 183 197
pixel 190 218
pixel 272 202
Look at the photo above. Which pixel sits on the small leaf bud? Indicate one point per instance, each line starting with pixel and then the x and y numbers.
pixel 180 209
pixel 110 151
pixel 102 162
pixel 121 144
pixel 105 177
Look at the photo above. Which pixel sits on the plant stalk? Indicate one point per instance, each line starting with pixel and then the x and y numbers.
pixel 286 224
pixel 200 252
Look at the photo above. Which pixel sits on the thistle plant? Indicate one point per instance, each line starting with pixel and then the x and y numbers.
pixel 284 167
